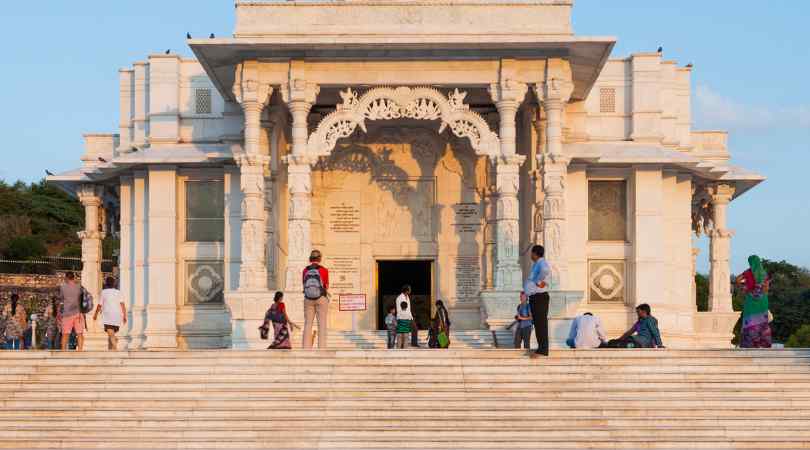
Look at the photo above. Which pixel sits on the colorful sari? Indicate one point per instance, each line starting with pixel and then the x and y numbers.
pixel 277 314
pixel 755 329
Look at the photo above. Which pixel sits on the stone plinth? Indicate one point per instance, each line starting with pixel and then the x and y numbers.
pixel 500 306
pixel 714 329
pixel 247 314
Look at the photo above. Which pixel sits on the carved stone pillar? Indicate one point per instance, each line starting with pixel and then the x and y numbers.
pixel 720 249
pixel 299 96
pixel 91 198
pixel 554 169
pixel 508 274
pixel 253 270
pixel 508 96
pixel 253 163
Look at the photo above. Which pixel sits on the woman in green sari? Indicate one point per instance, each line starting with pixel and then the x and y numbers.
pixel 755 329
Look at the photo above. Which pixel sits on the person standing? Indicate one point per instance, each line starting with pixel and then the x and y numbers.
pixel 391 326
pixel 586 332
pixel 405 322
pixel 277 315
pixel 523 332
pixel 755 328
pixel 536 289
pixel 113 312
pixel 16 322
pixel 51 324
pixel 441 324
pixel 72 317
pixel 316 300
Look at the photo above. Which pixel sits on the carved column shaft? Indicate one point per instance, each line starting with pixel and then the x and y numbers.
pixel 508 273
pixel 554 170
pixel 299 180
pixel 91 198
pixel 253 270
pixel 720 250
pixel 253 96
pixel 300 95
pixel 507 96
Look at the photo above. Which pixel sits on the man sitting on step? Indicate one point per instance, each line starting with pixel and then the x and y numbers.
pixel 643 334
pixel 586 332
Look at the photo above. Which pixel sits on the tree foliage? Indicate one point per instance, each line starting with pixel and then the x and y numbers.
pixel 40 210
pixel 799 339
pixel 702 288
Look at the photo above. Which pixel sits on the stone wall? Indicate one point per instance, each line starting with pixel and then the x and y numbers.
pixel 34 290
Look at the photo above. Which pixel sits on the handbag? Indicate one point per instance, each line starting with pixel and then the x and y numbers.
pixel 444 341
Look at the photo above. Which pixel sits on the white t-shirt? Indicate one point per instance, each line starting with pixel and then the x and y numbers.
pixel 404 314
pixel 111 300
pixel 587 331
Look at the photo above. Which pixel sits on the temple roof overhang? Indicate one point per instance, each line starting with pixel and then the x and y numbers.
pixel 587 55
pixel 186 155
pixel 627 153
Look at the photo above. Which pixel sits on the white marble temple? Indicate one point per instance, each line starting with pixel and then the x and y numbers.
pixel 453 132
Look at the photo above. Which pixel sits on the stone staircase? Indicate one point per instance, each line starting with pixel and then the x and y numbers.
pixel 376 399
pixel 369 340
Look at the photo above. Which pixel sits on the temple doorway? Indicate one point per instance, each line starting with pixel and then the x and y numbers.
pixel 392 275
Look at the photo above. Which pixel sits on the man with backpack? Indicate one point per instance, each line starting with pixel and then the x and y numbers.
pixel 74 306
pixel 316 300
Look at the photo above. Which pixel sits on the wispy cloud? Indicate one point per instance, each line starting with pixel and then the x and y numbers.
pixel 712 110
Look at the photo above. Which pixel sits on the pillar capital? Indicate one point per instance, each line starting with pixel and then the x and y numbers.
pixel 508 93
pixel 720 193
pixel 251 160
pixel 554 92
pixel 299 92
pixel 90 194
pixel 249 91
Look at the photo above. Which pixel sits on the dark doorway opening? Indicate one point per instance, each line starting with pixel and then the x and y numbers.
pixel 392 275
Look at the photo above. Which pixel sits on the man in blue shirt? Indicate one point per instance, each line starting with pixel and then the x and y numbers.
pixel 536 288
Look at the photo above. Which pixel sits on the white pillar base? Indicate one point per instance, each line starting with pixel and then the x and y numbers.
pixel 247 315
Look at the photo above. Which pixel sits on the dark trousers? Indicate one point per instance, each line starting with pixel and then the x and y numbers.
pixel 539 305
pixel 523 336
pixel 415 335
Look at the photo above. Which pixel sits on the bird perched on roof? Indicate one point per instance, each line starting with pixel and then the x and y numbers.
pixel 102 159
pixel 211 36
pixel 168 51
pixel 188 35
pixel 48 172
pixel 134 149
pixel 660 49
pixel 690 65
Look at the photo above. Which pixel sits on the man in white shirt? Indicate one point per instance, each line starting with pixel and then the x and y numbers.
pixel 536 288
pixel 113 312
pixel 586 332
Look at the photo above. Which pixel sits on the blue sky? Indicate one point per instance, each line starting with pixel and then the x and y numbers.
pixel 59 80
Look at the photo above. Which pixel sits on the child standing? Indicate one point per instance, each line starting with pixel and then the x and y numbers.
pixel 404 324
pixel 391 325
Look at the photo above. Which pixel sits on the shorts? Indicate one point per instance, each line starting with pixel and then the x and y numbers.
pixel 74 322
pixel 111 327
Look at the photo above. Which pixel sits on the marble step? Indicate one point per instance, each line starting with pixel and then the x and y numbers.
pixel 314 442
pixel 698 402
pixel 310 423
pixel 436 433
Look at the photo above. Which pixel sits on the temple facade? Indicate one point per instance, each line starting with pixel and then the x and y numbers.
pixel 423 142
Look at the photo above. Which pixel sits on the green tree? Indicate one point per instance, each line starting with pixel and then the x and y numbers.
pixel 702 288
pixel 800 339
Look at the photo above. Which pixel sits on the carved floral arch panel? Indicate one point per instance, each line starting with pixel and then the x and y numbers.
pixel 421 103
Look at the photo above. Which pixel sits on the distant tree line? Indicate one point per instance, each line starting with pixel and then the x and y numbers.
pixel 38 219
pixel 789 301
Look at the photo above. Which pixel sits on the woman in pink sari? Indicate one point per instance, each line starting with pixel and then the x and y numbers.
pixel 277 315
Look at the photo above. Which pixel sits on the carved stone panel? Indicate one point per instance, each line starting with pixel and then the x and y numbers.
pixel 404 210
pixel 606 281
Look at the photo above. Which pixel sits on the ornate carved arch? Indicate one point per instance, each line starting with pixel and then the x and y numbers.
pixel 420 103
